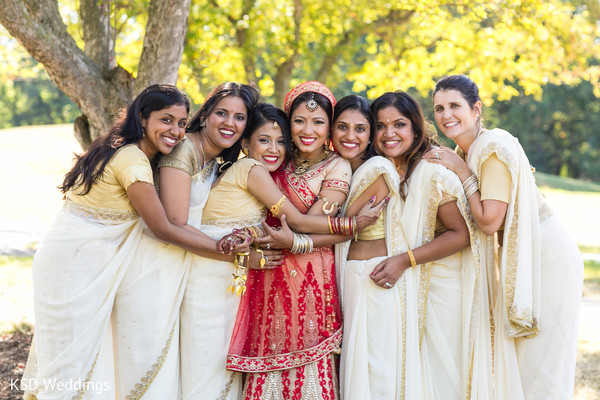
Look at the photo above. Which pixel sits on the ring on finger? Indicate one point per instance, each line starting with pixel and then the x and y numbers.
pixel 437 156
pixel 389 285
pixel 268 246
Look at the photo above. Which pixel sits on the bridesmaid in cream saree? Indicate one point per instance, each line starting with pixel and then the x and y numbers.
pixel 538 294
pixel 411 287
pixel 146 316
pixel 82 261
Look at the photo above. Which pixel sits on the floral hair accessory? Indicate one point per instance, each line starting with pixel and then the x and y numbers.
pixel 310 86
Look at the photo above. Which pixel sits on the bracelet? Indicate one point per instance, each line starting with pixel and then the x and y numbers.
pixel 343 226
pixel 330 210
pixel 255 231
pixel 262 261
pixel 276 208
pixel 303 244
pixel 470 185
pixel 411 257
pixel 240 258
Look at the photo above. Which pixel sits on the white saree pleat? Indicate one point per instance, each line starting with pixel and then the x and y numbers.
pixel 146 316
pixel 441 345
pixel 208 313
pixel 76 273
pixel 380 351
pixel 548 375
pixel 374 352
pixel 146 321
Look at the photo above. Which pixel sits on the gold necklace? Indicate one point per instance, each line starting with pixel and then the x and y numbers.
pixel 303 165
pixel 399 170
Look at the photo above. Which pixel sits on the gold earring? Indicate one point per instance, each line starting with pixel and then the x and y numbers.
pixel 245 151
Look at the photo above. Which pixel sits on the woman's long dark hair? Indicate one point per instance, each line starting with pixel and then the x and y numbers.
pixel 249 96
pixel 360 104
pixel 423 140
pixel 267 113
pixel 127 129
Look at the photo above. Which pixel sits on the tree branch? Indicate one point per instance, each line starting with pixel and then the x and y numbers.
pixel 97 33
pixel 163 43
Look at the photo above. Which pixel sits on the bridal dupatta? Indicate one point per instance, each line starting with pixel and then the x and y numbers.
pixel 281 333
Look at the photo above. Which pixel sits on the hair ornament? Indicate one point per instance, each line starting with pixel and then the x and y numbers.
pixel 311 105
pixel 117 142
pixel 275 125
pixel 310 86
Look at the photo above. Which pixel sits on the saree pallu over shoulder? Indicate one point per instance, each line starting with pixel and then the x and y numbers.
pixel 520 258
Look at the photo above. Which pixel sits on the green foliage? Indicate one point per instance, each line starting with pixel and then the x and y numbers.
pixel 556 182
pixel 591 270
pixel 558 132
pixel 34 101
pixel 16 261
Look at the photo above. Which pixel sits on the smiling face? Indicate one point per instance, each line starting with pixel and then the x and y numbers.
pixel 225 124
pixel 163 129
pixel 394 134
pixel 453 115
pixel 350 134
pixel 266 145
pixel 309 130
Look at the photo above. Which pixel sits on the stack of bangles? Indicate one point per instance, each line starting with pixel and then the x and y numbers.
pixel 343 226
pixel 470 185
pixel 302 244
pixel 255 231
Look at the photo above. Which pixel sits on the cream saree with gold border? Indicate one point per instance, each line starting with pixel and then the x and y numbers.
pixel 146 316
pixel 428 337
pixel 538 294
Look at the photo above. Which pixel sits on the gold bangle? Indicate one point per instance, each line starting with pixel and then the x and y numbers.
pixel 411 256
pixel 329 223
pixel 276 208
pixel 239 259
pixel 262 261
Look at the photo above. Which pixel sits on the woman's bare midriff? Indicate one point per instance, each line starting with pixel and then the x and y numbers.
pixel 367 249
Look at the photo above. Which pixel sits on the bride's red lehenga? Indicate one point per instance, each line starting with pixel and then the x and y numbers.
pixel 289 324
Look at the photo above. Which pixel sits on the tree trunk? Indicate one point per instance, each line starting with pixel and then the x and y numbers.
pixel 98 90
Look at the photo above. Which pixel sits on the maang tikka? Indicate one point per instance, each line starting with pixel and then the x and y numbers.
pixel 311 105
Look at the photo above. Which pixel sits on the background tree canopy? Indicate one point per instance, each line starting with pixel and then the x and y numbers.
pixel 101 53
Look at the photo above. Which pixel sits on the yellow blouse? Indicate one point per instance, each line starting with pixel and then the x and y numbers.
pixel 495 180
pixel 127 166
pixel 230 201
pixel 374 231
